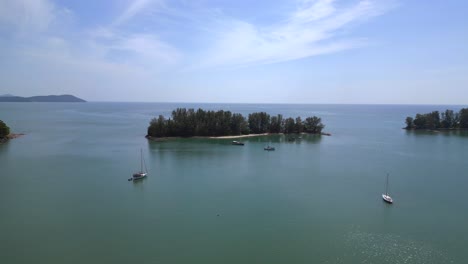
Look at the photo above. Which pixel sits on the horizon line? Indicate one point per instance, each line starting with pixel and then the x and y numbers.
pixel 269 103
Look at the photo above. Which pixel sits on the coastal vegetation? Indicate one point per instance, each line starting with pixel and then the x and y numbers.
pixel 439 121
pixel 189 122
pixel 4 131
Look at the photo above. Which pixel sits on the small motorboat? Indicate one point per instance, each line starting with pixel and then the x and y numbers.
pixel 238 143
pixel 269 148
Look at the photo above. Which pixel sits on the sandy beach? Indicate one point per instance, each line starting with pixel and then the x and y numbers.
pixel 242 136
pixel 226 137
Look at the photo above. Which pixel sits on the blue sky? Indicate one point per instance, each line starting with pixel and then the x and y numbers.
pixel 302 51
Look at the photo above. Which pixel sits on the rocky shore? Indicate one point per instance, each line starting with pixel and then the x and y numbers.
pixel 10 136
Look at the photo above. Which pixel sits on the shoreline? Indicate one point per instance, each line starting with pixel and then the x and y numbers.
pixel 162 139
pixel 10 136
pixel 243 136
pixel 436 129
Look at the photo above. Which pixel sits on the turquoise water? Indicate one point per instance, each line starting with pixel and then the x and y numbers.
pixel 65 198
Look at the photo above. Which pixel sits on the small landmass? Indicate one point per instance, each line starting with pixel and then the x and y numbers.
pixel 66 98
pixel 5 134
pixel 435 121
pixel 225 124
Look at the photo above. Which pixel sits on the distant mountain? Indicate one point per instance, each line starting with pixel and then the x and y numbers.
pixel 7 95
pixel 45 98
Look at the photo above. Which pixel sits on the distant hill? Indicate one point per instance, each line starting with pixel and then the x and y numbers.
pixel 46 98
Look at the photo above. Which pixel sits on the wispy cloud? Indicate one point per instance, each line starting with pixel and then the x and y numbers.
pixel 25 15
pixel 136 7
pixel 315 28
pixel 143 49
pixel 149 38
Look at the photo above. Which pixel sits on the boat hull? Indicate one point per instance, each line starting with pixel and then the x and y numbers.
pixel 138 176
pixel 387 199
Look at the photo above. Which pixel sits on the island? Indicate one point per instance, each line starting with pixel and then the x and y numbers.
pixel 65 98
pixel 201 123
pixel 448 120
pixel 5 134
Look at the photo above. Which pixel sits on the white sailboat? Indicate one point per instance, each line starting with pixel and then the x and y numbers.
pixel 385 196
pixel 141 174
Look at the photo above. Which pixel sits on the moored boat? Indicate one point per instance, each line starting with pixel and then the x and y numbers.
pixel 141 174
pixel 269 148
pixel 237 143
pixel 385 196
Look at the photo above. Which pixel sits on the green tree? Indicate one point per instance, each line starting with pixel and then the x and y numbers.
pixel 447 119
pixel 299 126
pixel 158 127
pixel 289 125
pixel 188 123
pixel 464 118
pixel 276 124
pixel 420 121
pixel 409 122
pixel 433 120
pixel 313 125
pixel 4 129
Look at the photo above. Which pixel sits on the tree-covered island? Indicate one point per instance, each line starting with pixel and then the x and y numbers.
pixel 200 123
pixel 448 120
pixel 4 132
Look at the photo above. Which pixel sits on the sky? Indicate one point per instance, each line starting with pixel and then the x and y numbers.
pixel 264 51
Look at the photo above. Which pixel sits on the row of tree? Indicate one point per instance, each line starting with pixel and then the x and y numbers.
pixel 188 122
pixel 4 130
pixel 435 120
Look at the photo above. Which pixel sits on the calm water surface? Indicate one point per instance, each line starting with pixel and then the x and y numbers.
pixel 65 198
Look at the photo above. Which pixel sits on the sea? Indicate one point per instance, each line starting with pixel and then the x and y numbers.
pixel 65 195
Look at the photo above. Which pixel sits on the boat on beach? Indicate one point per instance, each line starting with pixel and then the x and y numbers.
pixel 237 143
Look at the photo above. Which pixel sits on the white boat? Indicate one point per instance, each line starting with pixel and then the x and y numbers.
pixel 385 196
pixel 141 174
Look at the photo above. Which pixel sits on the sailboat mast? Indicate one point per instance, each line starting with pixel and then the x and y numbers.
pixel 386 186
pixel 141 160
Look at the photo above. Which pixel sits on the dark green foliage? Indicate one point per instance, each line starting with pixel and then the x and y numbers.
pixel 276 124
pixel 313 125
pixel 420 121
pixel 436 120
pixel 464 118
pixel 409 122
pixel 298 126
pixel 4 130
pixel 188 123
pixel 259 122
pixel 289 125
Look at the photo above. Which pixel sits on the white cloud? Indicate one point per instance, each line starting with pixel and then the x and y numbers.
pixel 26 15
pixel 136 7
pixel 141 49
pixel 313 29
pixel 139 46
